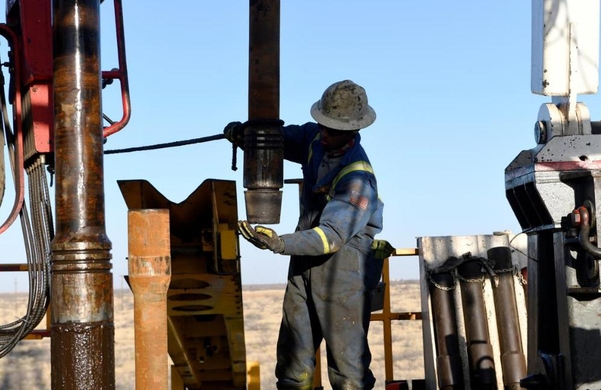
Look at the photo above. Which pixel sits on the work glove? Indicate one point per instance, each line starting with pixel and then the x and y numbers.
pixel 382 249
pixel 261 237
pixel 234 132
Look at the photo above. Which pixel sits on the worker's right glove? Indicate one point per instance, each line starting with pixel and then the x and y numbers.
pixel 261 237
pixel 234 132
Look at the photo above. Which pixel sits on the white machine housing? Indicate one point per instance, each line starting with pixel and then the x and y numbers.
pixel 565 47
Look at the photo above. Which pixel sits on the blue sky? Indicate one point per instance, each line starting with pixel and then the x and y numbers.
pixel 450 82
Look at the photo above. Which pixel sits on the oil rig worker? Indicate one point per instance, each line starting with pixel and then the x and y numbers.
pixel 333 267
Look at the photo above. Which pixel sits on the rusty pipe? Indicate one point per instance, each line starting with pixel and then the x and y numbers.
pixel 149 268
pixel 448 358
pixel 480 353
pixel 82 330
pixel 263 143
pixel 513 360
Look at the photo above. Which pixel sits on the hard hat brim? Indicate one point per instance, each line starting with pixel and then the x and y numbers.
pixel 341 124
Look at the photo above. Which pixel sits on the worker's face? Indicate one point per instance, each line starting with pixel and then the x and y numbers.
pixel 335 139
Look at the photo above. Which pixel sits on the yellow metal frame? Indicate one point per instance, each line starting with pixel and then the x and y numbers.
pixel 205 318
pixel 387 316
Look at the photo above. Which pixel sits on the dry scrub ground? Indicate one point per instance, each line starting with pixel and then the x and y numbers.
pixel 27 366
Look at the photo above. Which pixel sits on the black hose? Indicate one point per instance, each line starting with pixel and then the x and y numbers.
pixel 167 144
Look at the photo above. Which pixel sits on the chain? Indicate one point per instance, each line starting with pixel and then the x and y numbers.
pixel 452 263
pixel 438 286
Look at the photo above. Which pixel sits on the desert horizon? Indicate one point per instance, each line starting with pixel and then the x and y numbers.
pixel 28 365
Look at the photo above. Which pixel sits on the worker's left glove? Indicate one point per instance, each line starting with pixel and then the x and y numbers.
pixel 261 237
pixel 382 249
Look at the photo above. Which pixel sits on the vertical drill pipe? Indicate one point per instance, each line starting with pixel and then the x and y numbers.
pixel 482 366
pixel 513 360
pixel 264 60
pixel 448 359
pixel 149 264
pixel 263 144
pixel 82 338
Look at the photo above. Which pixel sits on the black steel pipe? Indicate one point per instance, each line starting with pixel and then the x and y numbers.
pixel 263 146
pixel 448 358
pixel 82 338
pixel 513 360
pixel 480 353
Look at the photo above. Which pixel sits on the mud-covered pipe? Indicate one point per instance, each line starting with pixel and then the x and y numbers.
pixel 263 145
pixel 82 330
pixel 448 358
pixel 513 360
pixel 480 353
pixel 149 269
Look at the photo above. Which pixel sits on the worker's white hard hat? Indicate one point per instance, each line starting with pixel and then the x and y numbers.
pixel 343 106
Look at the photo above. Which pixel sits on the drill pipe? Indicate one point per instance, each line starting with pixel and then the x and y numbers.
pixel 149 268
pixel 513 360
pixel 482 366
pixel 82 329
pixel 263 144
pixel 448 360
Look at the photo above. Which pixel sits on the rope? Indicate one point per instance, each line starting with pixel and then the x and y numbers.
pixel 177 143
pixel 166 145
pixel 254 122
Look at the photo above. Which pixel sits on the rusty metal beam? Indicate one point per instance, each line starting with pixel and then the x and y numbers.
pixel 149 271
pixel 82 341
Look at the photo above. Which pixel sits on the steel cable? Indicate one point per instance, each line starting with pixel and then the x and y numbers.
pixel 37 237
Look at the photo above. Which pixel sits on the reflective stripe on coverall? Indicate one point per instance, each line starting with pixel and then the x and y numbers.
pixel 332 268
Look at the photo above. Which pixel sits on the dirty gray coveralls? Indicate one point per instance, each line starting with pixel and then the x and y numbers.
pixel 332 269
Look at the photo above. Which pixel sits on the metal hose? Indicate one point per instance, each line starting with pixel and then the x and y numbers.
pixel 37 236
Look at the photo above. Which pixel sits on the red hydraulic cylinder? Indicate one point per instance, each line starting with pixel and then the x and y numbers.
pixel 149 263
pixel 82 330
pixel 263 143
